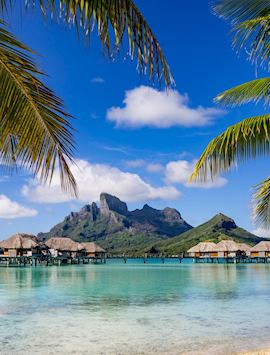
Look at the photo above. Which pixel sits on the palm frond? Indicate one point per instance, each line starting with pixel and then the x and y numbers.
pixel 251 26
pixel 262 203
pixel 3 6
pixel 239 11
pixel 251 91
pixel 245 140
pixel 119 23
pixel 35 131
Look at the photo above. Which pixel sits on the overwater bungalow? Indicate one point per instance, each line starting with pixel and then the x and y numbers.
pixel 92 250
pixel 227 250
pixel 20 244
pixel 231 249
pixel 260 250
pixel 203 250
pixel 25 249
pixel 60 246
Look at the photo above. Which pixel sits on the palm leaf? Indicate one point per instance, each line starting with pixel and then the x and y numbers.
pixel 3 6
pixel 239 11
pixel 252 91
pixel 251 26
pixel 118 22
pixel 35 131
pixel 245 140
pixel 262 200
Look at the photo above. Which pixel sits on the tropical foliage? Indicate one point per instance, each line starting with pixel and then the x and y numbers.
pixel 249 138
pixel 35 130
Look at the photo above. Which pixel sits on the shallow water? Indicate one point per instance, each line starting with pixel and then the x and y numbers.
pixel 135 308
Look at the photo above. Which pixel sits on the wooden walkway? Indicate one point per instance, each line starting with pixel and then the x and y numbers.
pixel 48 260
pixel 232 260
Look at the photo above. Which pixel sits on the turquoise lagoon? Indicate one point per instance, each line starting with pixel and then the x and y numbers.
pixel 135 308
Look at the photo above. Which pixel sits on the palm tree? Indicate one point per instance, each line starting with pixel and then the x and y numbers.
pixel 35 130
pixel 249 138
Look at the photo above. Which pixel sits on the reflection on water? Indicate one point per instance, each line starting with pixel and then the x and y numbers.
pixel 137 308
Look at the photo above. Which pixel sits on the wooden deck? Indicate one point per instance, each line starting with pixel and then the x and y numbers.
pixel 232 260
pixel 48 260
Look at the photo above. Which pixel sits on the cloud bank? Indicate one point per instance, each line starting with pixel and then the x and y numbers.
pixel 141 163
pixel 179 172
pixel 145 106
pixel 11 209
pixel 136 163
pixel 92 179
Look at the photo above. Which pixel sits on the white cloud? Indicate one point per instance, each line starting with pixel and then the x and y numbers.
pixel 179 172
pixel 136 163
pixel 154 168
pixel 140 163
pixel 145 106
pixel 11 209
pixel 98 80
pixel 122 150
pixel 92 179
pixel 262 232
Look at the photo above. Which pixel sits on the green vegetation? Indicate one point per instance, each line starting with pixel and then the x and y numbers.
pixel 249 138
pixel 218 228
pixel 146 230
pixel 128 244
pixel 117 229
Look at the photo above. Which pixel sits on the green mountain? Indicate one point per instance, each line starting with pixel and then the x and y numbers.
pixel 117 229
pixel 217 228
pixel 145 230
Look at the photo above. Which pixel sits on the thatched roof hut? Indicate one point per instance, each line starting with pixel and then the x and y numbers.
pixel 92 247
pixel 260 247
pixel 63 244
pixel 244 247
pixel 20 241
pixel 202 247
pixel 231 246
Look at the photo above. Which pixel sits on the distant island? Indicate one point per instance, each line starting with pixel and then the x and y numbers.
pixel 143 231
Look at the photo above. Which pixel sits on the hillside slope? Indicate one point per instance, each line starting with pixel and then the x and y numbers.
pixel 217 228
pixel 117 229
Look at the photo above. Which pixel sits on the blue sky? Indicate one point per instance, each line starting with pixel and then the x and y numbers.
pixel 124 149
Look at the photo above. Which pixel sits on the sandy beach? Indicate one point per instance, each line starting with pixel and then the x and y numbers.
pixel 257 352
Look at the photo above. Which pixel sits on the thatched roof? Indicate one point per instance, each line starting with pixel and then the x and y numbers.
pixel 262 246
pixel 231 246
pixel 92 247
pixel 20 241
pixel 203 247
pixel 63 244
pixel 244 247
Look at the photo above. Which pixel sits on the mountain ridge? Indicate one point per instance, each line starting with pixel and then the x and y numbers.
pixel 218 228
pixel 145 230
pixel 112 216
